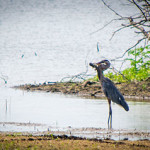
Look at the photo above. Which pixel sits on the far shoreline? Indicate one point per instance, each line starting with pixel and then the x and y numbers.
pixel 133 91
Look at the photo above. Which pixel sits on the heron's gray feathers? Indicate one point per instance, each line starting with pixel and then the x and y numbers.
pixel 113 93
pixel 104 64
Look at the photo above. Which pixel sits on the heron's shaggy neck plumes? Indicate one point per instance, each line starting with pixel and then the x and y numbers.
pixel 100 74
pixel 103 65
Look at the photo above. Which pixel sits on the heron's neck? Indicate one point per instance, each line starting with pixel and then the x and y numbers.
pixel 100 75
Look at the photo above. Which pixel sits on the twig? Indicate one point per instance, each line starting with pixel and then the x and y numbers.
pixel 138 27
pixel 104 26
pixel 115 70
pixel 139 41
pixel 116 32
pixel 147 3
pixel 140 9
pixel 111 9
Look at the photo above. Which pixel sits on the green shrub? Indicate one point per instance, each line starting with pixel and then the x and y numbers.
pixel 140 66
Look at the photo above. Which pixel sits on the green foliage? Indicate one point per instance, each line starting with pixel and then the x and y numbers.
pixel 115 77
pixel 140 58
pixel 94 79
pixel 140 66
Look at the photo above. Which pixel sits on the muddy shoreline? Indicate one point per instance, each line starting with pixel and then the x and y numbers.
pixel 77 138
pixel 37 129
pixel 132 91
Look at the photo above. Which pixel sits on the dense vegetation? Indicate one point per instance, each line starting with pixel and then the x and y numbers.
pixel 140 66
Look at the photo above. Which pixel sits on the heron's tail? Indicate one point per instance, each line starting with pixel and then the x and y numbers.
pixel 124 104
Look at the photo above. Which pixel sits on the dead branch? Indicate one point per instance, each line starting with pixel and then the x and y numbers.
pixel 148 4
pixel 104 26
pixel 117 31
pixel 111 9
pixel 137 26
pixel 140 9
pixel 140 21
pixel 138 42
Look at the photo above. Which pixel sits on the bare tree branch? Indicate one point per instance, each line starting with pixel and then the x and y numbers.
pixel 139 9
pixel 104 26
pixel 111 9
pixel 138 42
pixel 138 27
pixel 147 3
pixel 116 32
pixel 140 21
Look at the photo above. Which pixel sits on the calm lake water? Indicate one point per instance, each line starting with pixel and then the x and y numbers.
pixel 51 39
pixel 57 110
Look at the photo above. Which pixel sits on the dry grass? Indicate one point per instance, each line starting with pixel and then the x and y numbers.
pixel 20 142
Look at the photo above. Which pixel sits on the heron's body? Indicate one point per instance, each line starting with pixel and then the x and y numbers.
pixel 109 89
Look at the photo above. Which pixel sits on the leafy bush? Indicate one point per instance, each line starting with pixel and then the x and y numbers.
pixel 140 66
pixel 95 79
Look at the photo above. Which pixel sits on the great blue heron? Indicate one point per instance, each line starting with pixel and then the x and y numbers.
pixel 109 89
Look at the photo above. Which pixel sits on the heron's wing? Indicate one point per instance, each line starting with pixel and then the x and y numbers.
pixel 113 93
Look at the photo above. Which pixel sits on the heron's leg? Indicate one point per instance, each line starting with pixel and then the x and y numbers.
pixel 110 115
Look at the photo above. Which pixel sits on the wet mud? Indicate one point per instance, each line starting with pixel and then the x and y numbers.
pixel 79 133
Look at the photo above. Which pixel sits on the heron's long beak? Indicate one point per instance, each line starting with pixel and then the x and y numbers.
pixel 94 65
pixel 104 64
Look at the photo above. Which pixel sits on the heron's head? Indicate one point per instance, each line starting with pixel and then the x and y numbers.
pixel 103 65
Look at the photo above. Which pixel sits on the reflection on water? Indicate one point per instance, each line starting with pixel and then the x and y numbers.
pixel 57 110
